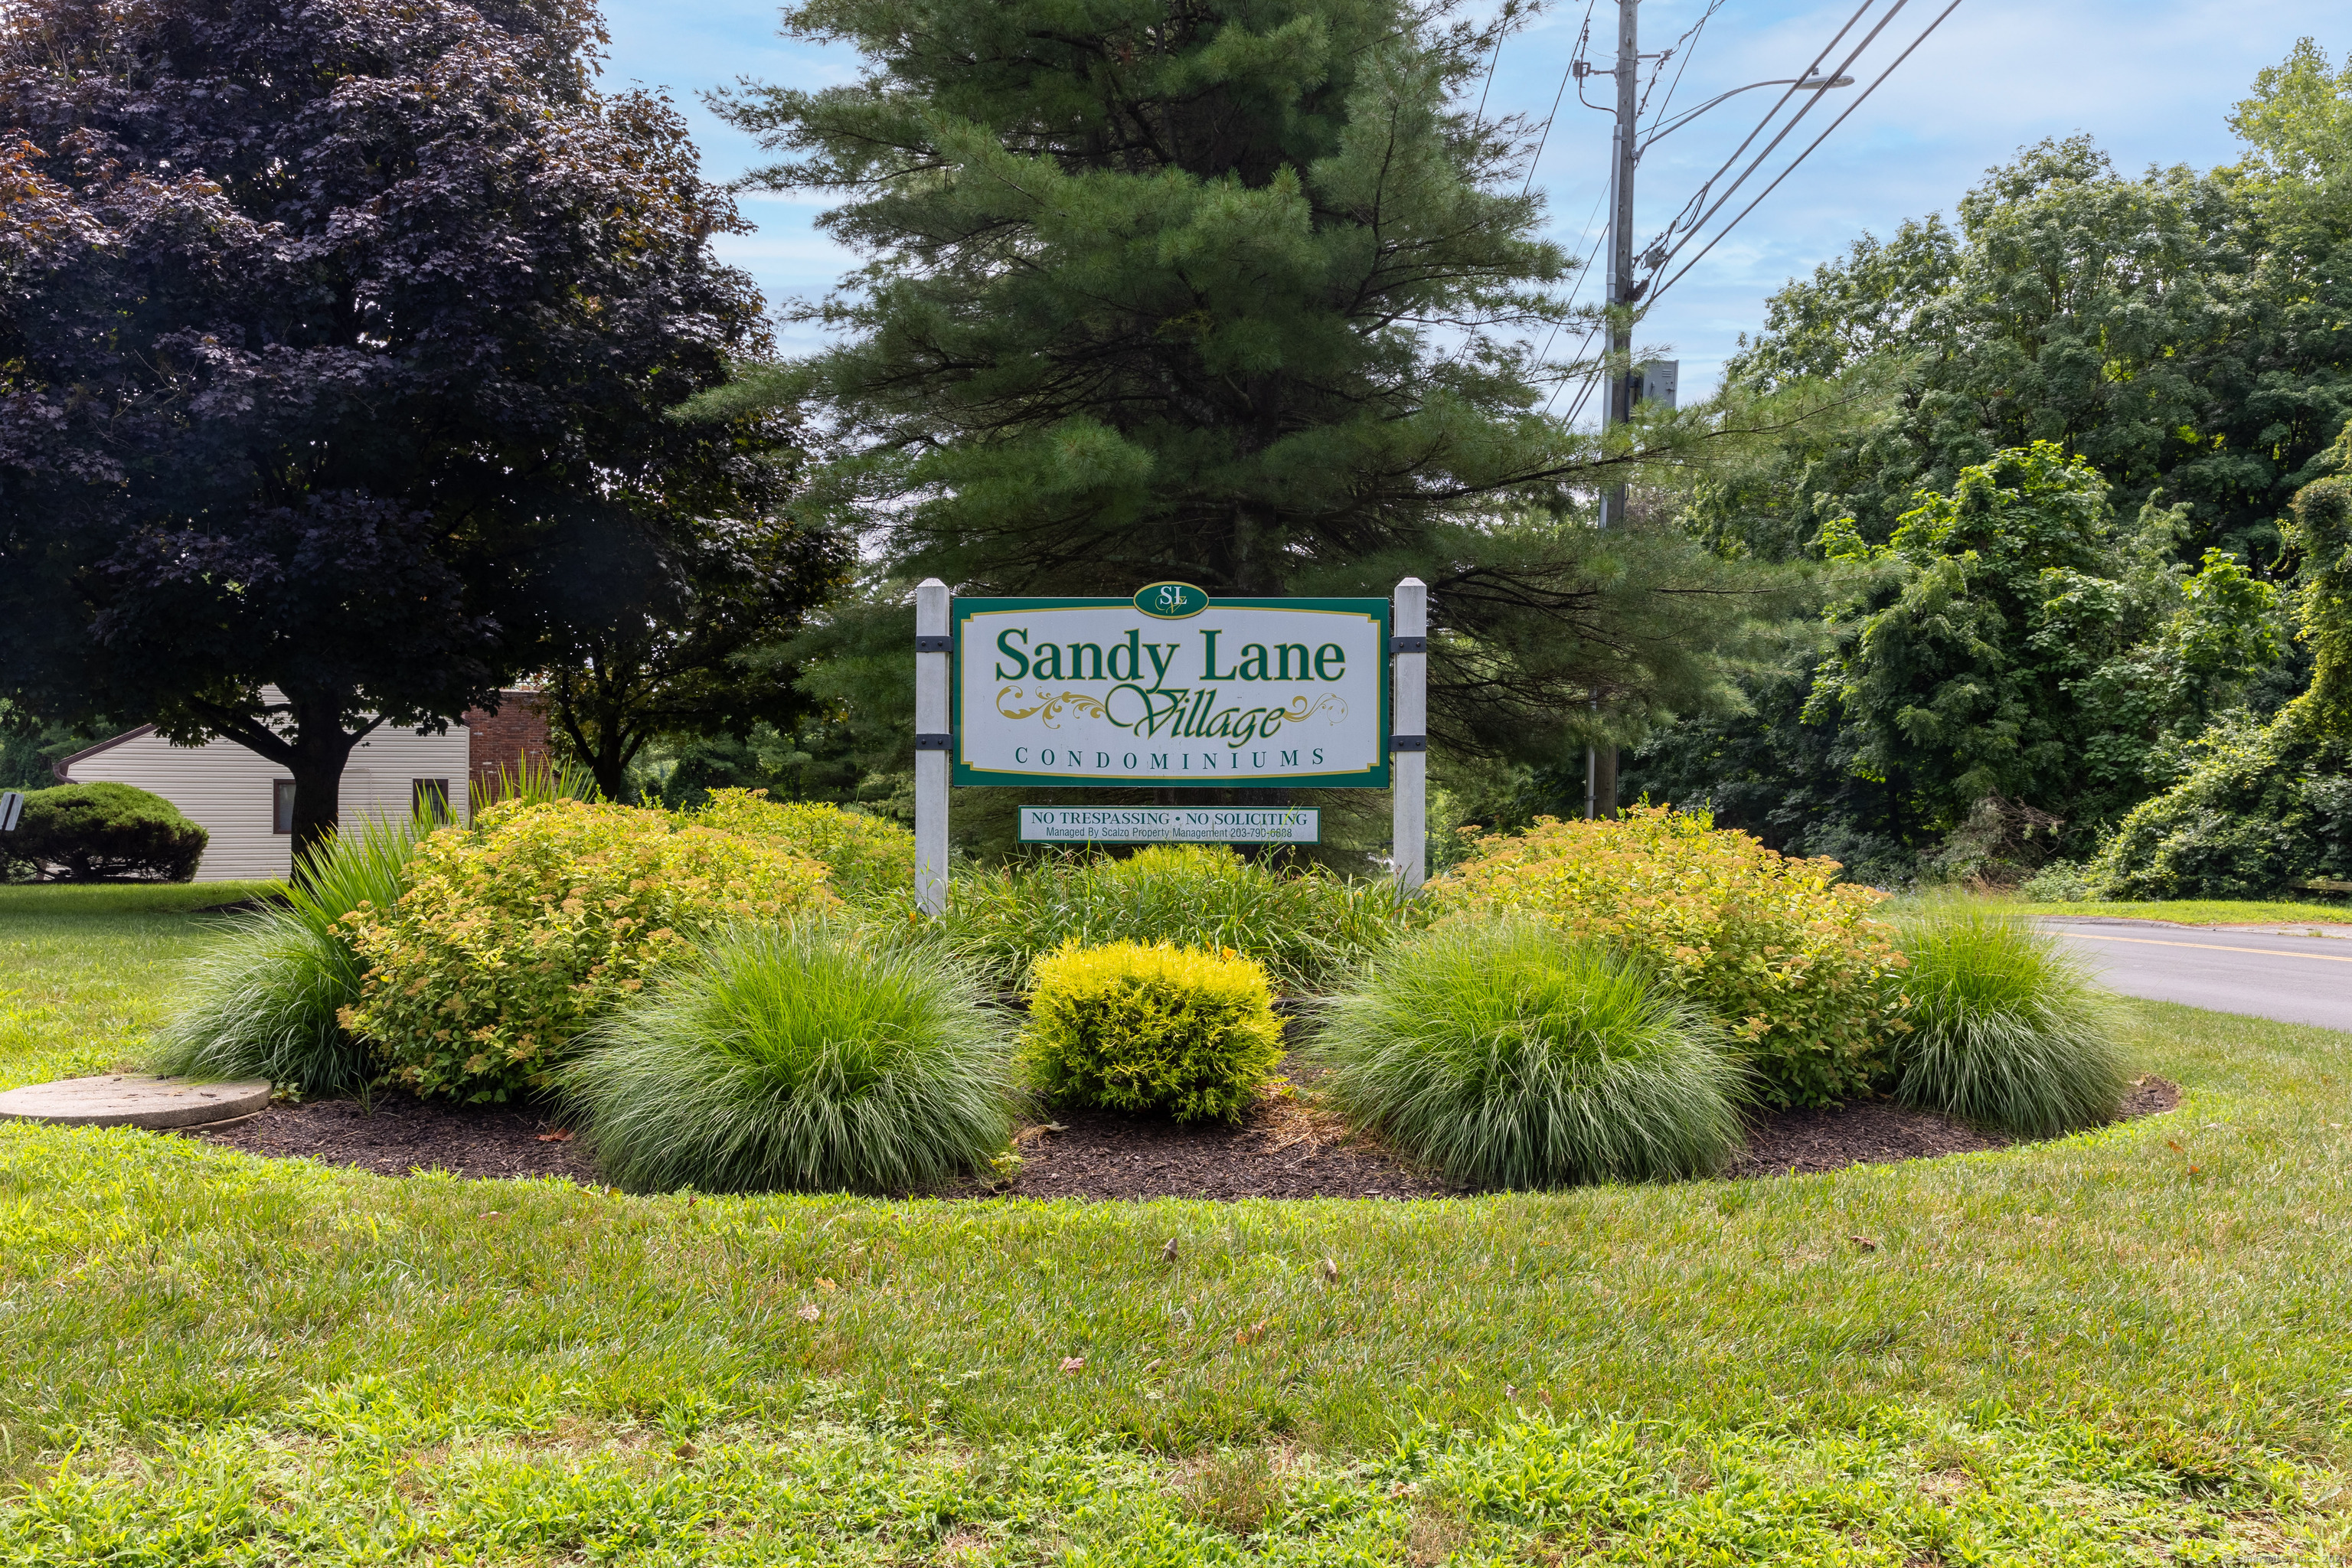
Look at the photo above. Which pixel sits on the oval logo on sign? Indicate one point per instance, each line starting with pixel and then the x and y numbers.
pixel 1171 601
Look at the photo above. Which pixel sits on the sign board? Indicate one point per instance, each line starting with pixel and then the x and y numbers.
pixel 12 806
pixel 1171 688
pixel 1169 825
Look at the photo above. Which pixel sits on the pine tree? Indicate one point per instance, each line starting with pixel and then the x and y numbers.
pixel 1240 292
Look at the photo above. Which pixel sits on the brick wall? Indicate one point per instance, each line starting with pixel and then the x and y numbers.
pixel 518 730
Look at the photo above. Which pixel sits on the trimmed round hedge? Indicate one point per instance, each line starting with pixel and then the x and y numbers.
pixel 105 832
pixel 1155 1029
pixel 805 1057
pixel 1507 1055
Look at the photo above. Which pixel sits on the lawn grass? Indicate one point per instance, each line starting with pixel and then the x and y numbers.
pixel 2201 911
pixel 2124 1346
pixel 86 971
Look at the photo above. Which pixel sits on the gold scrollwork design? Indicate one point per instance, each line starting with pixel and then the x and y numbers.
pixel 1046 705
pixel 1301 710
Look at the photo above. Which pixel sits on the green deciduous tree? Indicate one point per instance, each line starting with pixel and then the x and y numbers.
pixel 2009 644
pixel 2012 644
pixel 2179 334
pixel 320 327
pixel 2177 330
pixel 2263 807
pixel 650 630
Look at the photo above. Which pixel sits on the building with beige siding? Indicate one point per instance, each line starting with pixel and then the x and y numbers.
pixel 246 801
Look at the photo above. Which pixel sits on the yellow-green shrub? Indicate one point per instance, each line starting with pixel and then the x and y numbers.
pixel 1783 955
pixel 867 857
pixel 1129 1028
pixel 512 936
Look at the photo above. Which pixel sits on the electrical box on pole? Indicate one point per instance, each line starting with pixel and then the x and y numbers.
pixel 1653 382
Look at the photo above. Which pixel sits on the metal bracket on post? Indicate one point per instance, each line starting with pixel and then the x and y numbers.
pixel 932 745
pixel 1408 743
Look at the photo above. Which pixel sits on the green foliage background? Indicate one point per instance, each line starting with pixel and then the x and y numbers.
pixel 2060 502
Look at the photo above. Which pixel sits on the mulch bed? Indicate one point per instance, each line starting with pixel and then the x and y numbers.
pixel 1286 1151
pixel 393 1134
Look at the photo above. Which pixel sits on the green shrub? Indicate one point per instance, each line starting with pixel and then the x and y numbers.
pixel 2008 1032
pixel 510 937
pixel 267 1001
pixel 104 832
pixel 1309 929
pixel 1507 1055
pixel 800 1058
pixel 869 859
pixel 1780 954
pixel 1130 1027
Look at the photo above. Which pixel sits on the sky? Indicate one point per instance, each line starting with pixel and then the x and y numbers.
pixel 2152 81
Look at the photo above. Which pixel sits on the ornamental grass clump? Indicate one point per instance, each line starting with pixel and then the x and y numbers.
pixel 1308 928
pixel 1783 956
pixel 511 937
pixel 1125 1026
pixel 1505 1054
pixel 2008 1029
pixel 266 1002
pixel 805 1058
pixel 866 859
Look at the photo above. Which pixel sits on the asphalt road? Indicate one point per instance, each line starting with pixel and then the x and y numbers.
pixel 2295 979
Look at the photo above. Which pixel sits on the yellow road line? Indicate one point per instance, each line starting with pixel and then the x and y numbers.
pixel 2213 946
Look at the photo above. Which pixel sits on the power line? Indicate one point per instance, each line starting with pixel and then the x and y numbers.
pixel 1502 30
pixel 1690 37
pixel 1582 273
pixel 1544 139
pixel 1801 157
pixel 1811 72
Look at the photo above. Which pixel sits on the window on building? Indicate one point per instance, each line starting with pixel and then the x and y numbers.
pixel 429 798
pixel 281 807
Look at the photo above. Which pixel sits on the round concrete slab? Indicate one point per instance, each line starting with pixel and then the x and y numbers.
pixel 132 1100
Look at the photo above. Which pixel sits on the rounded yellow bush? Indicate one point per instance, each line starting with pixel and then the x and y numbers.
pixel 1130 1027
pixel 1782 954
pixel 510 936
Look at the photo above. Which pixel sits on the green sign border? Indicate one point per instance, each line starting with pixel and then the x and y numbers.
pixel 963 773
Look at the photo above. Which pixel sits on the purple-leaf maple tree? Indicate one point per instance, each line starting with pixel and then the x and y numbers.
pixel 324 325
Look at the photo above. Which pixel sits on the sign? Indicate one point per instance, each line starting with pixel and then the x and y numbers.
pixel 1169 687
pixel 1169 825
pixel 12 806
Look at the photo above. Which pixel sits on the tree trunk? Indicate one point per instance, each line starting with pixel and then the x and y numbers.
pixel 315 755
pixel 321 746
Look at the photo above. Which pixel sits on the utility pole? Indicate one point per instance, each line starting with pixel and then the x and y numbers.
pixel 1601 762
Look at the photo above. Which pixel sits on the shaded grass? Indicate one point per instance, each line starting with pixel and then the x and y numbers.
pixel 2200 912
pixel 2133 1334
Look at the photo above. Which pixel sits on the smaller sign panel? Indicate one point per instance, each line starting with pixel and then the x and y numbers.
pixel 1170 824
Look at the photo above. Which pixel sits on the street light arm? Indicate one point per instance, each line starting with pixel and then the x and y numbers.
pixel 1809 84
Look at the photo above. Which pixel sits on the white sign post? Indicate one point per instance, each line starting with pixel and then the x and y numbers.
pixel 1409 793
pixel 1169 688
pixel 931 743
